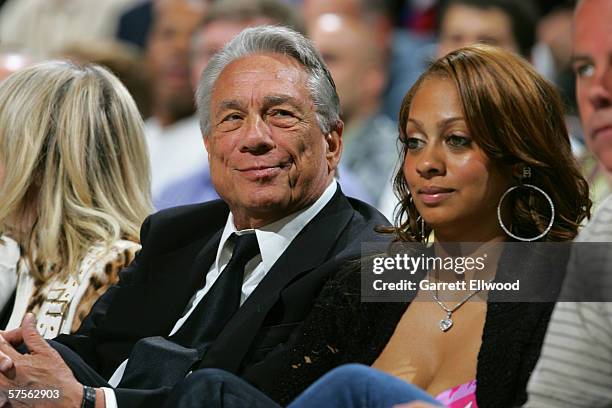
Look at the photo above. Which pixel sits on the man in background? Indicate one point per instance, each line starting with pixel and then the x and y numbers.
pixel 173 150
pixel 358 67
pixel 575 366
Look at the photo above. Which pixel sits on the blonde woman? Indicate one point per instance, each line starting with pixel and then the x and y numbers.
pixel 74 189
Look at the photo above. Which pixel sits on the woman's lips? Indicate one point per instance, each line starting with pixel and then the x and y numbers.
pixel 434 195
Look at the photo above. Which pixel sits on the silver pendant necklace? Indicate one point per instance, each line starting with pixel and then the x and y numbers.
pixel 446 323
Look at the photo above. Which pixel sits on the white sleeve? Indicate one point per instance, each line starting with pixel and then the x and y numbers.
pixel 118 374
pixel 109 398
pixel 575 366
pixel 9 256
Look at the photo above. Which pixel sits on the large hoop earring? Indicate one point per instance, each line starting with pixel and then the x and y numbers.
pixel 507 231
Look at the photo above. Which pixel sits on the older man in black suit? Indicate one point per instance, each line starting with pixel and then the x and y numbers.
pixel 224 284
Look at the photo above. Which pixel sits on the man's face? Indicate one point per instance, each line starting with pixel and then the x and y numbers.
pixel 168 57
pixel 268 157
pixel 345 52
pixel 464 25
pixel 592 62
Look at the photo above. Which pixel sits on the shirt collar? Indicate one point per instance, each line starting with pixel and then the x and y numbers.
pixel 275 238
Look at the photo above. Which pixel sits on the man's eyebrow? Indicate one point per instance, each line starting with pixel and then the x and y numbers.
pixel 229 104
pixel 275 100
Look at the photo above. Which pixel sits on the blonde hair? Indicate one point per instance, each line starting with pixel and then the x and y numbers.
pixel 74 158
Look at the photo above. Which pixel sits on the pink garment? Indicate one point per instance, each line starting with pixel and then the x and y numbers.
pixel 461 396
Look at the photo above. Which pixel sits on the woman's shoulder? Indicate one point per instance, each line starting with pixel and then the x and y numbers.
pixel 108 258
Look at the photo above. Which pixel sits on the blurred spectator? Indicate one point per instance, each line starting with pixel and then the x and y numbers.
pixel 135 23
pixel 174 152
pixel 510 24
pixel 47 26
pixel 404 54
pixel 373 13
pixel 575 366
pixel 555 31
pixel 123 61
pixel 357 66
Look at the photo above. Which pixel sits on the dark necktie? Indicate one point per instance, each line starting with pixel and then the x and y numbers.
pixel 156 361
pixel 223 299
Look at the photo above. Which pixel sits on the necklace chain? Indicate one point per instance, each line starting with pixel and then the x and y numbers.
pixel 447 322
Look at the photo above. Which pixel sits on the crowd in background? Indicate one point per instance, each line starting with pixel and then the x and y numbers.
pixel 375 50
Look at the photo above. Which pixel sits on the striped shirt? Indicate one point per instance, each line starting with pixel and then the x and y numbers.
pixel 575 367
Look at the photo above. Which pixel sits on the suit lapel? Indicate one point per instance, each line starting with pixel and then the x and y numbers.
pixel 152 308
pixel 308 250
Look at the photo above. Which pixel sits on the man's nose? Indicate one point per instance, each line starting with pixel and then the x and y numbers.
pixel 430 162
pixel 600 88
pixel 257 137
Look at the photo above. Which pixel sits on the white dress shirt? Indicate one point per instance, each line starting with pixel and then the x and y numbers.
pixel 273 240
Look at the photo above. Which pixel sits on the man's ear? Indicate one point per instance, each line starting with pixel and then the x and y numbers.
pixel 333 143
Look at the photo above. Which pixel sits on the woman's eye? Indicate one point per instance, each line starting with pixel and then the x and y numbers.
pixel 458 141
pixel 413 143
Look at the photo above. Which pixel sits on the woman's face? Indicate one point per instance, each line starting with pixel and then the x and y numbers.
pixel 454 185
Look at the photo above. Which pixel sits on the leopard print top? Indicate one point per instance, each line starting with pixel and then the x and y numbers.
pixel 60 305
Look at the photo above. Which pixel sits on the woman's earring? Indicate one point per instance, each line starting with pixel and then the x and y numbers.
pixel 422 229
pixel 420 220
pixel 526 175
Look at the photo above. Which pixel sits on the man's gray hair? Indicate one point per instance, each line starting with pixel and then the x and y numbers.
pixel 281 40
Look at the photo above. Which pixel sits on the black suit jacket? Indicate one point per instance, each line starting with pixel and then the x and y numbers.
pixel 179 246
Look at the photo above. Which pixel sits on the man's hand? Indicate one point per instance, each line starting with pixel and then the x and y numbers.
pixel 40 371
pixel 15 338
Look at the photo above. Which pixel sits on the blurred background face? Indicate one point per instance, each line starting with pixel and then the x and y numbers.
pixel 592 63
pixel 354 61
pixel 453 184
pixel 212 37
pixel 168 59
pixel 209 40
pixel 463 25
pixel 379 25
